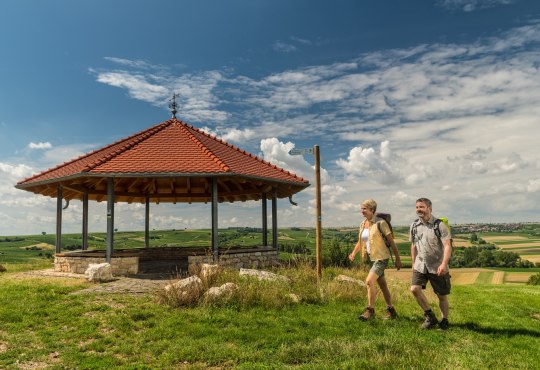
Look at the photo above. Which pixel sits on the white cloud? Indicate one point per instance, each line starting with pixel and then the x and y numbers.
pixel 137 86
pixel 472 5
pixel 238 136
pixel 460 122
pixel 382 167
pixel 283 47
pixel 12 171
pixel 139 64
pixel 40 145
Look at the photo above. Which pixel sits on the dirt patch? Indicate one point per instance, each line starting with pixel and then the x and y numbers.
pixel 503 238
pixel 517 277
pixel 3 347
pixel 31 365
pixel 285 237
pixel 460 242
pixel 42 246
pixel 535 259
pixel 519 245
pixel 498 277
pixel 464 278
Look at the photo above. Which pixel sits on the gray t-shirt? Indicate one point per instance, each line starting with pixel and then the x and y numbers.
pixel 430 250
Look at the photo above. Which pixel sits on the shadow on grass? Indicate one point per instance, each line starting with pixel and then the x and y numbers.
pixel 496 331
pixel 480 329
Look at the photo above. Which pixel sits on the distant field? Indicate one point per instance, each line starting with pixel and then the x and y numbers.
pixel 470 276
pixel 524 243
pixel 39 249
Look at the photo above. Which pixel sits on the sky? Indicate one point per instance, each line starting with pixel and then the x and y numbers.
pixel 406 99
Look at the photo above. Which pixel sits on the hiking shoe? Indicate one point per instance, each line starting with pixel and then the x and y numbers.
pixel 368 314
pixel 430 321
pixel 391 313
pixel 443 324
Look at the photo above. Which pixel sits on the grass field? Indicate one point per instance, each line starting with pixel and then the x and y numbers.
pixel 44 326
pixel 493 327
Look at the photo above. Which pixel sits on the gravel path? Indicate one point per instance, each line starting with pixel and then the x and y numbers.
pixel 138 284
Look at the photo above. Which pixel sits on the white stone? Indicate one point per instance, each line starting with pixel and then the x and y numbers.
pixel 294 298
pixel 192 283
pixel 99 272
pixel 348 279
pixel 224 291
pixel 263 275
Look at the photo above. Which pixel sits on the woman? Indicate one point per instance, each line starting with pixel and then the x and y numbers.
pixel 372 245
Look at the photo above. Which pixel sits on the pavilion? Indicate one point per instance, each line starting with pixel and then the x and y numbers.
pixel 171 162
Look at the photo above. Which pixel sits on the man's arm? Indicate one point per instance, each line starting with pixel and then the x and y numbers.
pixel 443 268
pixel 413 254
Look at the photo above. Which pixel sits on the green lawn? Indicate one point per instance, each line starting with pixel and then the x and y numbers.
pixel 492 327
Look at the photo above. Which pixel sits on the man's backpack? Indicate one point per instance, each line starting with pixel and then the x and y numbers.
pixel 436 229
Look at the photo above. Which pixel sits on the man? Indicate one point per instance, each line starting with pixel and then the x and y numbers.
pixel 430 252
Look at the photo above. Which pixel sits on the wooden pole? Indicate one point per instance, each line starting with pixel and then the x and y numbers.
pixel 264 221
pixel 110 218
pixel 58 218
pixel 147 223
pixel 215 246
pixel 85 221
pixel 318 206
pixel 275 244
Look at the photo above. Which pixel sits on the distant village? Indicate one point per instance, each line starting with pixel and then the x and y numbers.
pixel 478 228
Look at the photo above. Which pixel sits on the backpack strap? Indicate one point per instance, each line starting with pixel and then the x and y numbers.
pixel 436 228
pixel 413 230
pixel 379 226
pixel 386 241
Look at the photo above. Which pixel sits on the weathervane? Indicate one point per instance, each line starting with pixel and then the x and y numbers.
pixel 173 105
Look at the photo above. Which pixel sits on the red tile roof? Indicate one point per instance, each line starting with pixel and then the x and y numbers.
pixel 171 147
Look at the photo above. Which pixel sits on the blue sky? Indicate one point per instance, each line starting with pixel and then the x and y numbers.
pixel 405 98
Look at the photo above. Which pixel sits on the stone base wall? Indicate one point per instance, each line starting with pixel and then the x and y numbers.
pixel 126 262
pixel 121 266
pixel 248 259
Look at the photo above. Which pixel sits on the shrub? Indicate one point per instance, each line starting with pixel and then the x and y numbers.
pixel 303 286
pixel 2 268
pixel 534 279
pixel 339 254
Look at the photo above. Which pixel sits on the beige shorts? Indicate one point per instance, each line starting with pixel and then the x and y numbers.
pixel 378 266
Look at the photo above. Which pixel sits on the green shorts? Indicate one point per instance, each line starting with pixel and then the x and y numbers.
pixel 440 284
pixel 378 266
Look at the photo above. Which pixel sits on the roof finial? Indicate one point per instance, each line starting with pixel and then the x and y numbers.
pixel 173 105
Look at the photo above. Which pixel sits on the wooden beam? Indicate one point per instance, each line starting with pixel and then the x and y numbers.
pixel 133 183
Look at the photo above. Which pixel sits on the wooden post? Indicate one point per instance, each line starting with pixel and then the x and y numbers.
pixel 85 221
pixel 275 244
pixel 264 220
pixel 318 206
pixel 110 218
pixel 215 247
pixel 58 218
pixel 147 223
